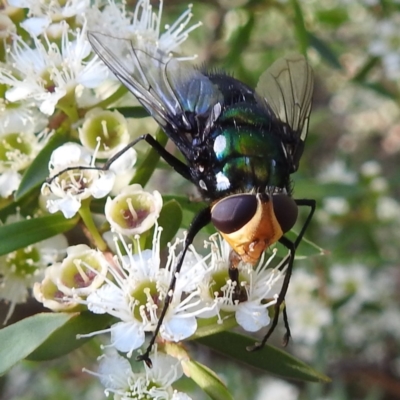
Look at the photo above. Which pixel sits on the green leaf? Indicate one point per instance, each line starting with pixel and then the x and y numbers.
pixel 333 16
pixel 38 171
pixel 300 29
pixel 186 204
pixel 22 338
pixel 362 74
pixel 170 219
pixel 269 358
pixel 207 380
pixel 190 209
pixel 132 112
pixel 64 340
pixel 24 233
pixel 380 89
pixel 324 50
pixel 239 41
pixel 27 205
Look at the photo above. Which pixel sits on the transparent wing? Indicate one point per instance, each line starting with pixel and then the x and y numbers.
pixel 168 88
pixel 286 89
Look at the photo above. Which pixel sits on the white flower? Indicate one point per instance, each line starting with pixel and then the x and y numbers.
pixel 250 298
pixel 72 185
pixel 42 12
pixel 336 205
pixel 9 182
pixel 78 275
pixel 19 145
pixel 21 117
pixel 47 292
pixel 136 297
pixel 6 26
pixel 82 271
pixel 46 73
pixel 20 269
pixel 387 209
pixel 277 389
pixel 133 211
pixel 337 172
pixel 386 44
pixel 116 375
pixel 371 169
pixel 17 150
pixel 144 27
pixel 354 284
pixel 307 314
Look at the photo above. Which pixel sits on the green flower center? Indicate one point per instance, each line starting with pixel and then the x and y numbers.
pixel 24 262
pixel 14 147
pixel 78 275
pixel 108 129
pixel 220 282
pixel 146 296
pixel 132 211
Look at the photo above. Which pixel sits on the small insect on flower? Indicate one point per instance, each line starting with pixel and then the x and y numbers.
pixel 241 146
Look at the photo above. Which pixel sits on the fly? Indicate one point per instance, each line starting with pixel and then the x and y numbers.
pixel 240 145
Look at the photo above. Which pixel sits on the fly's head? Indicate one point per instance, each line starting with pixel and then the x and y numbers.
pixel 252 222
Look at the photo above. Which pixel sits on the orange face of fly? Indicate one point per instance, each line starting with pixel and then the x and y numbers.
pixel 252 222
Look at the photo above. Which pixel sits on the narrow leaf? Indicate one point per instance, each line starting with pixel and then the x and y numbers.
pixel 268 358
pixel 240 41
pixel 186 204
pixel 38 171
pixel 132 112
pixel 324 50
pixel 362 74
pixel 207 380
pixel 24 233
pixel 27 205
pixel 170 219
pixel 64 340
pixel 301 32
pixel 380 89
pixel 20 339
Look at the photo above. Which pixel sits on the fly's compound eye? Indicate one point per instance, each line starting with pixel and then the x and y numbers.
pixel 285 210
pixel 232 213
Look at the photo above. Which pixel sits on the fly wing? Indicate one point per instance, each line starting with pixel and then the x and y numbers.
pixel 172 91
pixel 286 89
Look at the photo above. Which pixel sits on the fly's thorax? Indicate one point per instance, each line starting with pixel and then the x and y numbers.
pixel 250 222
pixel 248 156
pixel 242 151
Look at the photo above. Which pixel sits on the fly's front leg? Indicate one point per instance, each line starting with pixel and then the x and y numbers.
pixel 200 221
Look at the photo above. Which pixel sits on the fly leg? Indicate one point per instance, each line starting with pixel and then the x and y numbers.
pixel 289 259
pixel 200 221
pixel 180 167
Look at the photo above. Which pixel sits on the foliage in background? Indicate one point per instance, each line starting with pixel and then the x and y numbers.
pixel 343 307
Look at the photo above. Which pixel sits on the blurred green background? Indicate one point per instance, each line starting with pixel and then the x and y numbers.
pixel 343 305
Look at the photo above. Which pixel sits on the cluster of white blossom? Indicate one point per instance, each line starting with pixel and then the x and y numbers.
pixel 51 84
